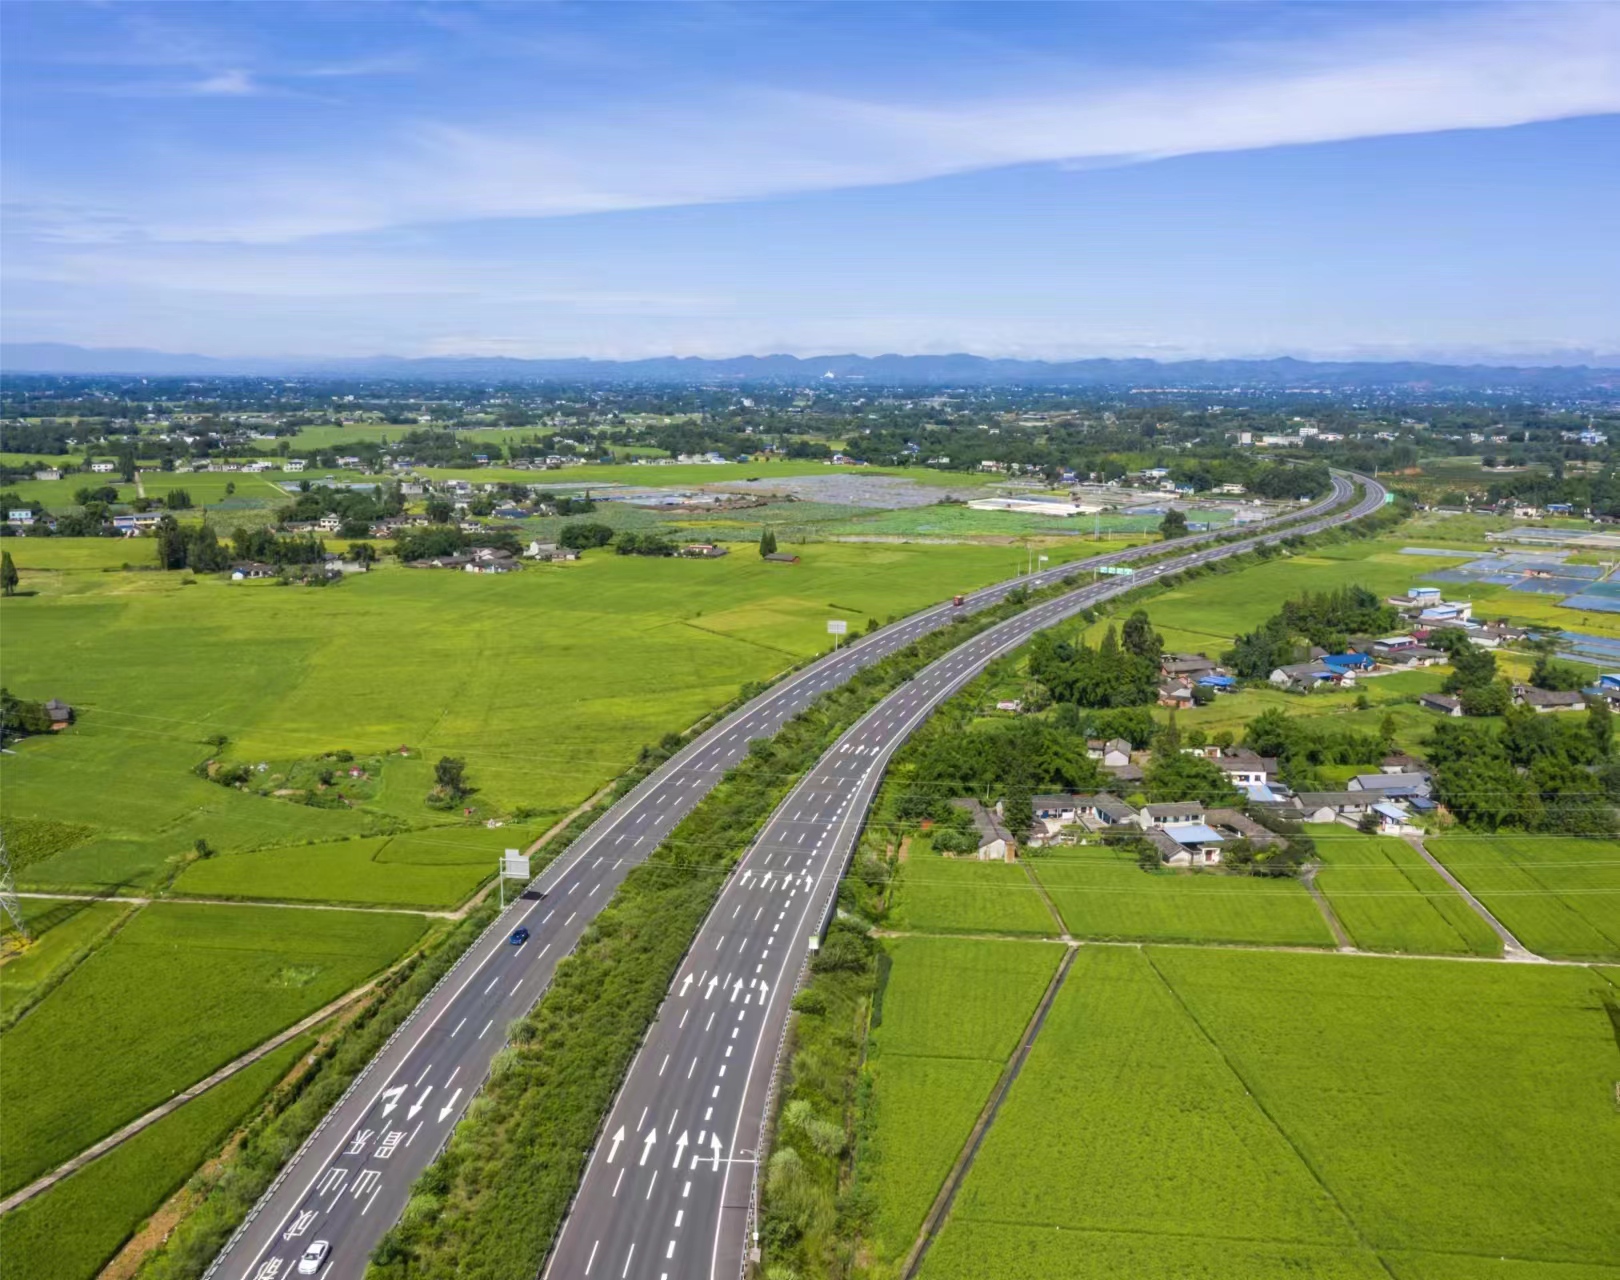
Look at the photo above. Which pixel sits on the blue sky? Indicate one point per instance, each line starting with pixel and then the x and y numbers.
pixel 623 180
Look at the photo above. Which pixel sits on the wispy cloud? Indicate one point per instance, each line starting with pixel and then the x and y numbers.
pixel 234 83
pixel 1471 69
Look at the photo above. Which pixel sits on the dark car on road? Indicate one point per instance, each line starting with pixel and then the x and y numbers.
pixel 519 937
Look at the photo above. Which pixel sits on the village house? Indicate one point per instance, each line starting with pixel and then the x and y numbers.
pixel 1443 703
pixel 995 841
pixel 133 526
pixel 246 569
pixel 1113 753
pixel 1399 785
pixel 1543 701
pixel 704 551
pixel 550 551
pixel 1187 665
pixel 1159 815
pixel 59 714
pixel 1246 768
pixel 1330 806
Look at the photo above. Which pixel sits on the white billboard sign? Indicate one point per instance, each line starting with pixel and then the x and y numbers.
pixel 515 865
pixel 837 627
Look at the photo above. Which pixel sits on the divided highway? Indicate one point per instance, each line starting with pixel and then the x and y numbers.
pixel 668 1193
pixel 698 1087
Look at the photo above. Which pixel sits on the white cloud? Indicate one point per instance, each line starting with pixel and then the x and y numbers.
pixel 1471 69
pixel 233 83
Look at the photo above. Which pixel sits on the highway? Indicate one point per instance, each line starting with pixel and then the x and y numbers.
pixel 668 1191
pixel 351 1179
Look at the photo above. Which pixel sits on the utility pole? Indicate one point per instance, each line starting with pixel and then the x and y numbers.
pixel 8 891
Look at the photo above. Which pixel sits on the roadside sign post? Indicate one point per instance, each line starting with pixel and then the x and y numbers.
pixel 514 864
pixel 837 627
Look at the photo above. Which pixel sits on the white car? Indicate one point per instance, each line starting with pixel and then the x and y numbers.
pixel 313 1257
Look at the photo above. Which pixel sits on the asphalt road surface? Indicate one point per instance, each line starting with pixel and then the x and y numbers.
pixel 668 1190
pixel 350 1182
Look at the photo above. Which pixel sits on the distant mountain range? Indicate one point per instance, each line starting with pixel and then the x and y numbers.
pixel 885 370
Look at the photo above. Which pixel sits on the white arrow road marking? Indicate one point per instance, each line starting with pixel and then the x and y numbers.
pixel 449 1106
pixel 736 991
pixel 391 1097
pixel 687 985
pixel 714 1145
pixel 647 1145
pixel 417 1105
pixel 680 1149
pixel 710 991
pixel 614 1149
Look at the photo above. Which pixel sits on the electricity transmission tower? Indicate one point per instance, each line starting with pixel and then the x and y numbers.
pixel 8 891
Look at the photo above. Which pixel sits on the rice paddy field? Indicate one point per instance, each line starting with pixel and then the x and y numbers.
pixel 1389 899
pixel 70 1231
pixel 1102 893
pixel 935 894
pixel 1559 896
pixel 1223 1113
pixel 950 1014
pixel 512 674
pixel 178 992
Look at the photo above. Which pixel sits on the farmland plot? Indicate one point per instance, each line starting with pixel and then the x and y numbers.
pixel 951 1014
pixel 1558 896
pixel 70 1231
pixel 1127 1147
pixel 1101 893
pixel 1449 1108
pixel 1389 899
pixel 179 992
pixel 935 894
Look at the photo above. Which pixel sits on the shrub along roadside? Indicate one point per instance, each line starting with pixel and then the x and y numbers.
pixel 491 1205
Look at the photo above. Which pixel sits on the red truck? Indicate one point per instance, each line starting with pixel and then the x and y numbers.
pixel 958 601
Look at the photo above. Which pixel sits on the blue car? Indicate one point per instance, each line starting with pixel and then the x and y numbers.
pixel 519 937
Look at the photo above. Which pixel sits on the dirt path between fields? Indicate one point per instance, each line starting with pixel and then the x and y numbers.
pixel 947 1194
pixel 1512 948
pixel 255 902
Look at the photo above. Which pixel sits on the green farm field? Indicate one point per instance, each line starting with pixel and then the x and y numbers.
pixel 516 675
pixel 935 894
pixel 1102 893
pixel 438 867
pixel 70 1231
pixel 64 932
pixel 1232 1115
pixel 177 993
pixel 1559 896
pixel 1389 899
pixel 951 1013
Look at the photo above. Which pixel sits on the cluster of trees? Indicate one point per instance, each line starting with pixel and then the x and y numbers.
pixel 767 541
pixel 1326 618
pixel 1538 773
pixel 447 540
pixel 195 547
pixel 1122 671
pixel 1174 525
pixel 1302 745
pixel 1010 762
pixel 267 547
pixel 20 717
pixel 631 543
pixel 357 510
pixel 1473 678
pixel 582 535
